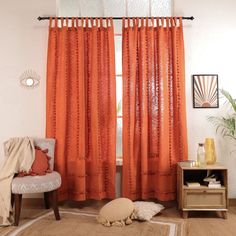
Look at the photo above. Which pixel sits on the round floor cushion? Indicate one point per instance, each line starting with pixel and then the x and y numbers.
pixel 117 212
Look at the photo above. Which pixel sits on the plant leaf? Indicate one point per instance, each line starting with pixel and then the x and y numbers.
pixel 229 98
pixel 118 108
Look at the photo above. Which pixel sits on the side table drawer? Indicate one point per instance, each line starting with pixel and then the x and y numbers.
pixel 204 199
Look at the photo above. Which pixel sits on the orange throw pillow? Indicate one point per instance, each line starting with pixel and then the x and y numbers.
pixel 41 163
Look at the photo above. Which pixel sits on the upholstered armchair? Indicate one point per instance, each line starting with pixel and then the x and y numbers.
pixel 47 184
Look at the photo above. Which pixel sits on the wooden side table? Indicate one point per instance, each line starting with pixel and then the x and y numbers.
pixel 201 198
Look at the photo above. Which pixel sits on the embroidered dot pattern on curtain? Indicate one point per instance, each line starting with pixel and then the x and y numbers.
pixel 81 106
pixel 154 116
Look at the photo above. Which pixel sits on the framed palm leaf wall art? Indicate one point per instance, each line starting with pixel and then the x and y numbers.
pixel 205 91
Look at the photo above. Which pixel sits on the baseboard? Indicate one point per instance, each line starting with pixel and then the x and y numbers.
pixel 232 202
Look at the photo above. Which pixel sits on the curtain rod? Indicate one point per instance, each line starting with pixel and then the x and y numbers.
pixel 114 18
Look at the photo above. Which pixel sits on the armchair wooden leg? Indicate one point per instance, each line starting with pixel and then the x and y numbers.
pixel 12 200
pixel 18 199
pixel 54 204
pixel 47 200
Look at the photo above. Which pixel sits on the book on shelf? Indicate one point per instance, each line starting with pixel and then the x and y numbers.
pixel 214 182
pixel 214 185
pixel 193 184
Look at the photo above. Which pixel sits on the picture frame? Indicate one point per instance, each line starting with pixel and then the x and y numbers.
pixel 205 91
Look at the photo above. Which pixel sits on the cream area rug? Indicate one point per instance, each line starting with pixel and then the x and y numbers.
pixel 75 223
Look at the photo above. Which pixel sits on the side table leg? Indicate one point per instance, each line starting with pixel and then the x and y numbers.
pixel 224 214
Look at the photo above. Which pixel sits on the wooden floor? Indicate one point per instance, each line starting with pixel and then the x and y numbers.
pixel 207 223
pixel 198 223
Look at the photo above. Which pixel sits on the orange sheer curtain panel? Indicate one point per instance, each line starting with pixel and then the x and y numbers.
pixel 81 106
pixel 154 116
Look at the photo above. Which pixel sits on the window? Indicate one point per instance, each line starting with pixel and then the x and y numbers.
pixel 118 50
pixel 114 8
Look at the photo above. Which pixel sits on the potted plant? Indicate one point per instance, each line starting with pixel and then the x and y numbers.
pixel 226 125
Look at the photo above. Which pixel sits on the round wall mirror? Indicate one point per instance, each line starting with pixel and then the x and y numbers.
pixel 30 82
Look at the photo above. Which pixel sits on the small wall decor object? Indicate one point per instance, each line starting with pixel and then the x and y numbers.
pixel 29 79
pixel 205 91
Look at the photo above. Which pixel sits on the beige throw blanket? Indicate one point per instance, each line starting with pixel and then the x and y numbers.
pixel 19 156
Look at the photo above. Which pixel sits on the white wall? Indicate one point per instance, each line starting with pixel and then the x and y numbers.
pixel 210 48
pixel 23 45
